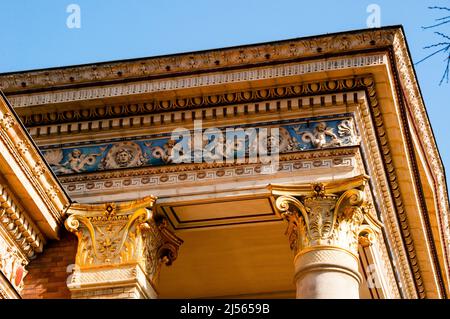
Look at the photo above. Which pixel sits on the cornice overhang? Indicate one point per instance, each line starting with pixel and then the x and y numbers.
pixel 223 59
pixel 28 178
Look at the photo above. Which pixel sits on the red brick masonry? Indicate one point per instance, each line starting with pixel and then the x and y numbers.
pixel 47 274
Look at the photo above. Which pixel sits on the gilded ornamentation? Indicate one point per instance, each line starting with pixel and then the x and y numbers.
pixel 7 121
pixel 122 233
pixel 327 214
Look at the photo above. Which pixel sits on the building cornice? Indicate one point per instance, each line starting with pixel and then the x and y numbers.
pixel 196 62
pixel 23 159
pixel 417 110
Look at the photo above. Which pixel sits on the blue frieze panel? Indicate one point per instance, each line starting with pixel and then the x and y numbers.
pixel 294 136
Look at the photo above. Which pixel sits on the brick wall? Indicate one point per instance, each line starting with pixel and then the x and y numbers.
pixel 47 274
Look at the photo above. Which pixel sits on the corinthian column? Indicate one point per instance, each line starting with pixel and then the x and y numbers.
pixel 121 247
pixel 325 223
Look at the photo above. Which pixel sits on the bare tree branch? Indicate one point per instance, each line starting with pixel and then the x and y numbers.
pixel 442 47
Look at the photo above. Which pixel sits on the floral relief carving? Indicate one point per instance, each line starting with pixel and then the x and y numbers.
pixel 7 121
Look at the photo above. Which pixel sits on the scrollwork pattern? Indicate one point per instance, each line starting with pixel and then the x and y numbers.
pixel 115 236
pixel 323 218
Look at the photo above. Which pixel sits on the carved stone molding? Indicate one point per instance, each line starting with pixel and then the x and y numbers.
pixel 23 231
pixel 205 61
pixel 189 102
pixel 24 159
pixel 119 236
pixel 203 173
pixel 408 84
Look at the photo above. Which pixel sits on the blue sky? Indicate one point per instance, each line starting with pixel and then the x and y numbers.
pixel 34 33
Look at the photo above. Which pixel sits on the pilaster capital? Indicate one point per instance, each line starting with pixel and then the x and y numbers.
pixel 120 235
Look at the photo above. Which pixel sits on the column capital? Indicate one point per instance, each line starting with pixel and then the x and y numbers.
pixel 326 223
pixel 118 244
pixel 333 214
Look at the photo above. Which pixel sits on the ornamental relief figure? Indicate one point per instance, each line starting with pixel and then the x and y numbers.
pixel 318 137
pixel 76 162
pixel 323 135
pixel 123 155
pixel 164 153
pixel 287 142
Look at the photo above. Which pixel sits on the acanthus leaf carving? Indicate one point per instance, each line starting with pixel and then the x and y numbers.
pixel 126 233
pixel 328 218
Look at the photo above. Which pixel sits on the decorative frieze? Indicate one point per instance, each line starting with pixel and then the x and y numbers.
pixel 302 135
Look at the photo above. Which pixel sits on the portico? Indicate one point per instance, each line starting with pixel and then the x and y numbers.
pixel 353 205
